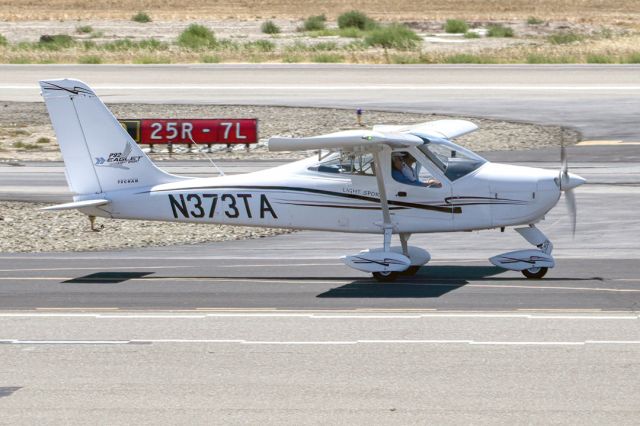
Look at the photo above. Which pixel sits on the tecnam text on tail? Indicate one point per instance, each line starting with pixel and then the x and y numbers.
pixel 391 180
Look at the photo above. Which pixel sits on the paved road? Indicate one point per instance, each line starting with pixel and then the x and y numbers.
pixel 599 100
pixel 596 270
pixel 317 368
pixel 277 331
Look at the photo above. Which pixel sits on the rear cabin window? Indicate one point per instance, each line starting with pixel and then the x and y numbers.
pixel 346 164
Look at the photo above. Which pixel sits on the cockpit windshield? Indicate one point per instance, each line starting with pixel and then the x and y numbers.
pixel 453 160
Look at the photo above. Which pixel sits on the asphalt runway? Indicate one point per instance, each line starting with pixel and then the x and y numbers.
pixel 599 100
pixel 211 367
pixel 596 270
pixel 277 330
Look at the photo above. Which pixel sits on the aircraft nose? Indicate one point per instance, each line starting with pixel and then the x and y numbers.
pixel 573 181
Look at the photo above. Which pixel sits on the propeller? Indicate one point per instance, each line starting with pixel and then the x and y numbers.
pixel 567 182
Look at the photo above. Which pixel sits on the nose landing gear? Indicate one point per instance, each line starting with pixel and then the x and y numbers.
pixel 533 264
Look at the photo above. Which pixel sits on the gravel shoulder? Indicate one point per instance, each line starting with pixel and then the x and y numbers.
pixel 23 125
pixel 25 228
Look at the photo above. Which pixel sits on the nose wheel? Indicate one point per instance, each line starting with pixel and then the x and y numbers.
pixel 385 277
pixel 535 273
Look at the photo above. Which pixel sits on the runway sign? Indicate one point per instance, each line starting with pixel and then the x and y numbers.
pixel 156 131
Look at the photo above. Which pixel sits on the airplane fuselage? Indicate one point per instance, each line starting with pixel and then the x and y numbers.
pixel 292 196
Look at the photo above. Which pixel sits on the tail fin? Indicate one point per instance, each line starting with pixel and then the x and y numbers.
pixel 99 155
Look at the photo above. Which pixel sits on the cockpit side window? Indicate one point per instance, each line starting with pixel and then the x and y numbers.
pixel 351 164
pixel 405 169
pixel 452 162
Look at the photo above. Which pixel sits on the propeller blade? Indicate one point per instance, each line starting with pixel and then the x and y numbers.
pixel 563 160
pixel 572 207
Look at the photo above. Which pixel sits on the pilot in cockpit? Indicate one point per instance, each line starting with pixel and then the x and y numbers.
pixel 404 171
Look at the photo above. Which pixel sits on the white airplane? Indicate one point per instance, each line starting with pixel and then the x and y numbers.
pixel 390 180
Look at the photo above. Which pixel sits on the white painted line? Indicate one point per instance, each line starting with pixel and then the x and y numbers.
pixel 349 87
pixel 320 315
pixel 320 342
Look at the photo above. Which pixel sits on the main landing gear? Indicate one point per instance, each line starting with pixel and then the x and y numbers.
pixel 387 277
pixel 386 264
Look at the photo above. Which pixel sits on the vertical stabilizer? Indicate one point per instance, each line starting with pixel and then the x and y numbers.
pixel 99 155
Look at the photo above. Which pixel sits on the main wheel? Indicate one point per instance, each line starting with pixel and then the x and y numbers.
pixel 385 277
pixel 535 273
pixel 411 270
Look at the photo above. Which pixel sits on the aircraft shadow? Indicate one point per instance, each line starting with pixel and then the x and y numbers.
pixel 107 277
pixel 429 282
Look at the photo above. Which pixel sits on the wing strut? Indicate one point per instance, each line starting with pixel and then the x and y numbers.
pixel 387 226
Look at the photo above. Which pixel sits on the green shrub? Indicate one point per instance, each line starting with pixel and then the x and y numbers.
pixel 291 59
pixel 128 44
pixel 84 29
pixel 633 58
pixel 470 34
pixel 394 36
pixel 356 19
pixel 499 30
pixel 564 38
pixel 404 59
pixel 227 44
pixel 141 17
pixel 211 59
pixel 466 58
pixel 536 58
pixel 456 26
pixel 324 46
pixel 261 45
pixel 148 60
pixel 327 58
pixel 314 23
pixel 20 60
pixel 27 146
pixel 197 37
pixel 90 59
pixel 599 59
pixel 3 40
pixel 351 32
pixel 355 45
pixel 43 140
pixel 269 27
pixel 297 46
pixel 532 20
pixel 55 42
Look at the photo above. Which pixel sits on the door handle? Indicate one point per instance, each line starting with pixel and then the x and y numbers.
pixel 401 194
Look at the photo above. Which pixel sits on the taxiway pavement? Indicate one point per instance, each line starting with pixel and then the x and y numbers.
pixel 276 330
pixel 595 270
pixel 599 100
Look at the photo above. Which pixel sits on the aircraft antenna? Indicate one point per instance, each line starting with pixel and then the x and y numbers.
pixel 220 172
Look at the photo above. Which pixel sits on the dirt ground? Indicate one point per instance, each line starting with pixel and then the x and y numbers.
pixel 594 11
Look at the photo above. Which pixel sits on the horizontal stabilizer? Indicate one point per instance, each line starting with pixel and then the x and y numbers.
pixel 447 129
pixel 349 139
pixel 78 205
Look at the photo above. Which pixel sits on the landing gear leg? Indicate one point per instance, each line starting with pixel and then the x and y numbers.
pixel 411 270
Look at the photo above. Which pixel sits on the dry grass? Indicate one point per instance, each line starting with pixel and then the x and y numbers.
pixel 595 11
pixel 622 49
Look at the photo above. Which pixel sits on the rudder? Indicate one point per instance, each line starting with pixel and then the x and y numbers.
pixel 98 153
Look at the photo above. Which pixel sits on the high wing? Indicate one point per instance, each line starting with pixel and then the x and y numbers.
pixel 349 140
pixel 448 129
